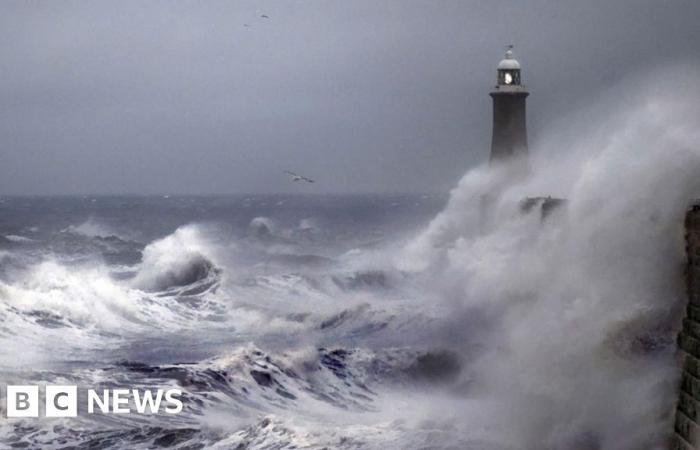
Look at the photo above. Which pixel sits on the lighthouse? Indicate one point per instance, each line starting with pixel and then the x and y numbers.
pixel 509 140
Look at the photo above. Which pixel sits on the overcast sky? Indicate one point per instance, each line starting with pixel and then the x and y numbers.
pixel 182 97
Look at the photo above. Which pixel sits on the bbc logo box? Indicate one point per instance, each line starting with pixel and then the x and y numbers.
pixel 59 401
pixel 62 401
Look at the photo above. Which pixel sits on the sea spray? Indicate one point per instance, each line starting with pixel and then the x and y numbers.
pixel 177 260
pixel 582 307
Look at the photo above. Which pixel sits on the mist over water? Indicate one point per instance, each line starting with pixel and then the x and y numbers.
pixel 578 310
pixel 376 322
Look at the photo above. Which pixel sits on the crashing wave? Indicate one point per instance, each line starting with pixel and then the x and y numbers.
pixel 256 381
pixel 238 401
pixel 178 260
pixel 582 305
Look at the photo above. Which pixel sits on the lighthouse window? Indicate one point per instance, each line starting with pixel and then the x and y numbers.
pixel 508 78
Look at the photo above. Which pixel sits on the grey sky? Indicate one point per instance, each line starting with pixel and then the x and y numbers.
pixel 181 97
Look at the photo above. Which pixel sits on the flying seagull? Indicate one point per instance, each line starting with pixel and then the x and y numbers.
pixel 296 177
pixel 255 21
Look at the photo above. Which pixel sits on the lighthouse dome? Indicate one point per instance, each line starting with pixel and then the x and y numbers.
pixel 509 63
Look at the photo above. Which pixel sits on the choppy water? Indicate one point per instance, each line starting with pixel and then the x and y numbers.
pixel 279 317
pixel 375 322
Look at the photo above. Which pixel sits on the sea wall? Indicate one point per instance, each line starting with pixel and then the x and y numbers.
pixel 687 424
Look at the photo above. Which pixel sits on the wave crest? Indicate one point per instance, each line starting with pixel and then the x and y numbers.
pixel 178 260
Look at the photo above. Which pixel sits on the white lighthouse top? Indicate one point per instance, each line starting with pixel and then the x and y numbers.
pixel 509 62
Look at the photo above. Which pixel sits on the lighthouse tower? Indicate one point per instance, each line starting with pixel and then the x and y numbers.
pixel 509 141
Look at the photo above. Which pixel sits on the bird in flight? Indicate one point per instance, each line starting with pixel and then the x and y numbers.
pixel 255 21
pixel 296 177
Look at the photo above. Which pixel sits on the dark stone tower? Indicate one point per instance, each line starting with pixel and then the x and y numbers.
pixel 509 140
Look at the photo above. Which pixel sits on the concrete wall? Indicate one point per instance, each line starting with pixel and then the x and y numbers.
pixel 687 425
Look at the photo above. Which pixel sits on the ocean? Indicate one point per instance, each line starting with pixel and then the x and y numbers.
pixel 470 320
pixel 279 317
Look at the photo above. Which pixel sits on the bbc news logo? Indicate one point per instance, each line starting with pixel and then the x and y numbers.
pixel 62 401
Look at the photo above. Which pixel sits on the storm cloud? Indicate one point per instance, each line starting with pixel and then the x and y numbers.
pixel 210 97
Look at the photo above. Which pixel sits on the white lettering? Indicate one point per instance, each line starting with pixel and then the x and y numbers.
pixel 102 403
pixel 171 396
pixel 147 400
pixel 119 398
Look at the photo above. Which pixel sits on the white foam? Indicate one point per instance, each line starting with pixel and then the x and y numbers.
pixel 180 258
pixel 573 299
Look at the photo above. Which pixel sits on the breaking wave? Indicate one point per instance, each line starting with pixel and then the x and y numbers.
pixel 180 259
pixel 578 310
pixel 512 321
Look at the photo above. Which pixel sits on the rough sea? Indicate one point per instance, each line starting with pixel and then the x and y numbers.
pixel 462 321
pixel 277 316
